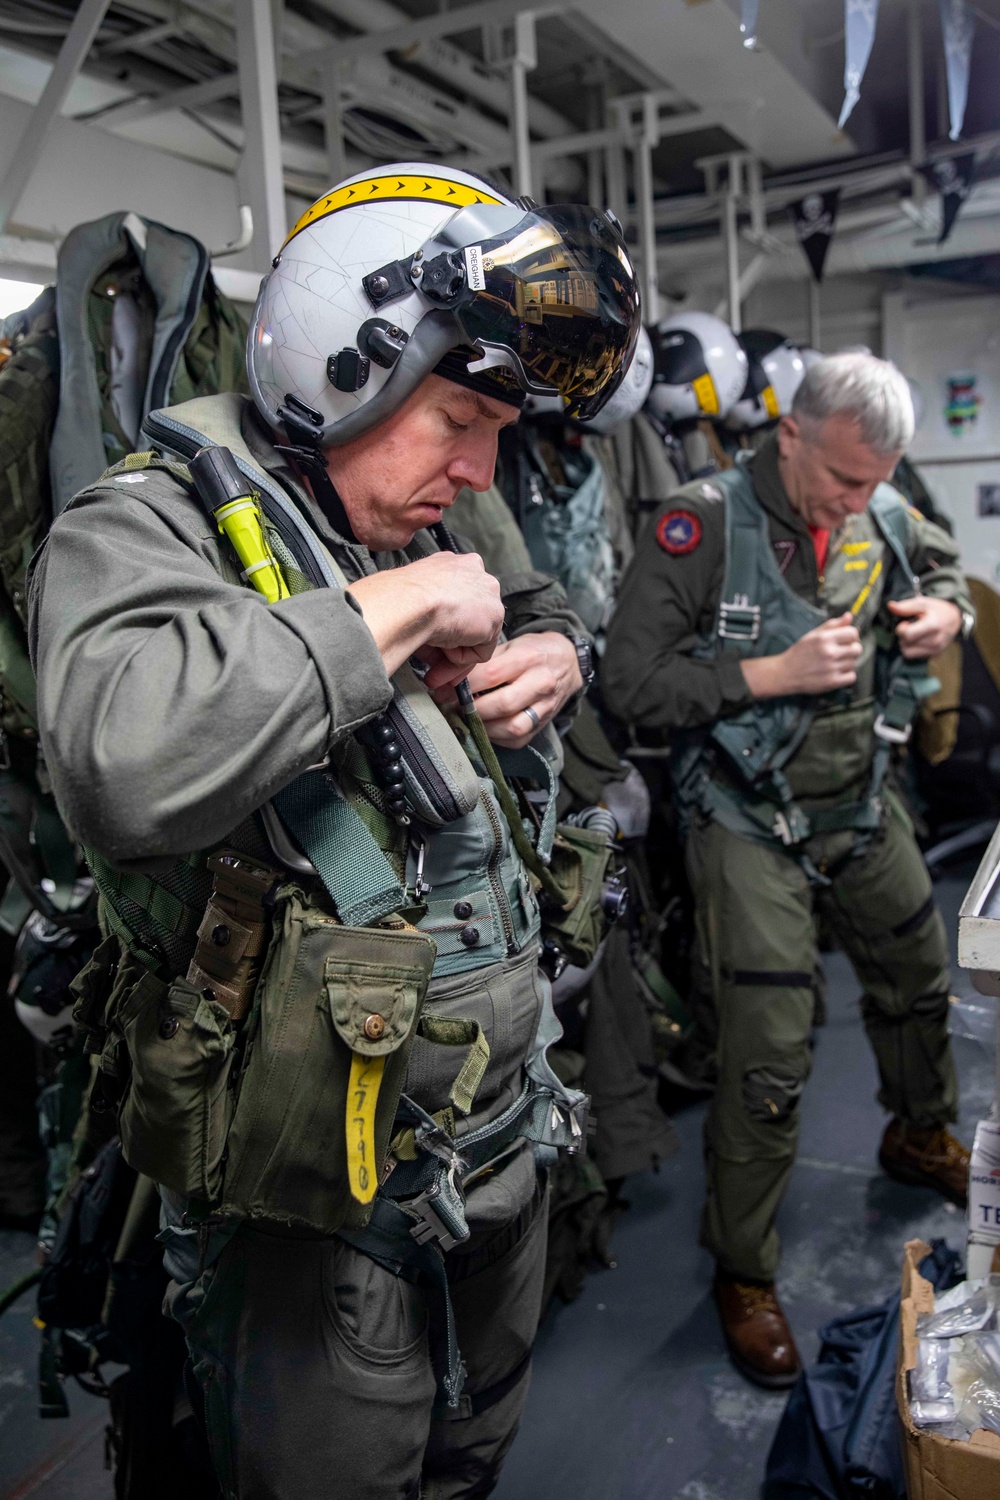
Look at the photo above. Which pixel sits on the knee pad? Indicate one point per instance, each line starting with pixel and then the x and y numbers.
pixel 772 1094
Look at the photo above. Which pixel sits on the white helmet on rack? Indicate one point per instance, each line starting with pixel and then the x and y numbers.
pixel 403 266
pixel 776 370
pixel 809 355
pixel 631 396
pixel 700 369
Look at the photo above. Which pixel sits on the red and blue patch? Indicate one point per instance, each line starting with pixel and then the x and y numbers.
pixel 678 532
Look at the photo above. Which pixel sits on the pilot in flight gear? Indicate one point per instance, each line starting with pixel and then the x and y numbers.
pixel 319 1011
pixel 778 633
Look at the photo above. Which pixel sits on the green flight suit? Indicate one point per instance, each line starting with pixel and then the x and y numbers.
pixel 172 704
pixel 755 923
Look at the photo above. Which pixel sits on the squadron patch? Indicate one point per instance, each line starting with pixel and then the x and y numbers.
pixel 678 532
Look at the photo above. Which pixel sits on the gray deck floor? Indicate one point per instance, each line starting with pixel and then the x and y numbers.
pixel 633 1397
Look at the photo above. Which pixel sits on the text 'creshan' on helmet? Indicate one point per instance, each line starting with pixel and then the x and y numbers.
pixel 392 270
pixel 776 370
pixel 700 369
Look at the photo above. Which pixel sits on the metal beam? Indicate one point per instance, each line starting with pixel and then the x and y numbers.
pixel 162 32
pixel 260 173
pixel 643 145
pixel 814 314
pixel 199 94
pixel 918 123
pixel 333 121
pixel 524 60
pixel 79 39
pixel 443 23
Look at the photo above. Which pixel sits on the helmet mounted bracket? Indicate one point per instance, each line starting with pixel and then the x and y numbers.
pixel 442 279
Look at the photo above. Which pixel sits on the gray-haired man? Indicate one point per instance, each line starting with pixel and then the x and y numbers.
pixel 779 633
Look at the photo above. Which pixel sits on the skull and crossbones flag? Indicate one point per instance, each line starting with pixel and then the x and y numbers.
pixel 953 177
pixel 814 217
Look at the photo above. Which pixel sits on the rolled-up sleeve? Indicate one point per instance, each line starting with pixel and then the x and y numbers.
pixel 173 702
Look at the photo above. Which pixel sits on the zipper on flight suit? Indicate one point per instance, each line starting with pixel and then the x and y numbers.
pixel 493 874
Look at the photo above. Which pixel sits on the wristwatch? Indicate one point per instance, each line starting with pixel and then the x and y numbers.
pixel 585 657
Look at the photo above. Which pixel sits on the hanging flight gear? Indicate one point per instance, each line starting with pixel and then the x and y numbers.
pixel 134 320
pixel 776 370
pixel 700 369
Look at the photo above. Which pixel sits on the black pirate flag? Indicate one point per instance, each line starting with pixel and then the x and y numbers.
pixel 814 217
pixel 953 177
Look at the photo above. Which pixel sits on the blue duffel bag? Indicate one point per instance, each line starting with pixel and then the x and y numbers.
pixel 839 1438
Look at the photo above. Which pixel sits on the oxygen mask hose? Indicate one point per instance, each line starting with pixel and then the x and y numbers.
pixel 229 501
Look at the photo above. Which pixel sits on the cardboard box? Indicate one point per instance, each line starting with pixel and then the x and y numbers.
pixel 937 1468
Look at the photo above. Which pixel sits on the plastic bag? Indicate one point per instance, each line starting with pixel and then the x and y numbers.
pixel 970 1307
pixel 932 1400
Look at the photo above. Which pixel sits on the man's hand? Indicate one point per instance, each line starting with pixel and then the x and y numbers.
pixel 538 671
pixel 926 626
pixel 446 603
pixel 824 658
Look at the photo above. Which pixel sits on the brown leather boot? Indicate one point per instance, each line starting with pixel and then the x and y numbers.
pixel 756 1331
pixel 926 1156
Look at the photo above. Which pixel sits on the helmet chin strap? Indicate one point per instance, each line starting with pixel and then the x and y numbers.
pixel 304 426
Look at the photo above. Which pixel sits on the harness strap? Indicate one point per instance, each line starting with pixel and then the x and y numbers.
pixel 388 1240
pixel 358 876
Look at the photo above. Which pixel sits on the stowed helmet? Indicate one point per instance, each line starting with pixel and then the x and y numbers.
pixel 631 396
pixel 626 403
pixel 396 268
pixel 700 368
pixel 47 957
pixel 776 370
pixel 809 355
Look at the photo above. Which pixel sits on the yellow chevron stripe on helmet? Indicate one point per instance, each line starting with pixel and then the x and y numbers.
pixel 392 189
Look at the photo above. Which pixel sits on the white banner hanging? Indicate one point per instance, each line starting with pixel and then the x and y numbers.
pixel 748 22
pixel 957 26
pixel 859 34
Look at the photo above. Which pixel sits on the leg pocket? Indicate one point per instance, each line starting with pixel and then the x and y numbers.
pixel 379 1317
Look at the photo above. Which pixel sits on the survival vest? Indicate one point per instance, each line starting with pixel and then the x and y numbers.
pixel 784 769
pixel 468 854
pixel 134 321
pixel 565 525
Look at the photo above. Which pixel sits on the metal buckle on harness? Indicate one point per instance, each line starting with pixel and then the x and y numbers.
pixel 739 620
pixel 783 829
pixel 430 1225
pixel 892 735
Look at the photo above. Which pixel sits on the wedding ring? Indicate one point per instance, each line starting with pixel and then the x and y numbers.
pixel 535 721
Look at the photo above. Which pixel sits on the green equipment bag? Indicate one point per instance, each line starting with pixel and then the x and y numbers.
pixel 185 332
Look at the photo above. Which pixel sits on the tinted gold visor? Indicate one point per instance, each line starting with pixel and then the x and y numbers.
pixel 558 293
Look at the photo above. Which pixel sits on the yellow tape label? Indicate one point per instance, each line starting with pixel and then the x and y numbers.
pixel 770 401
pixel 862 598
pixel 855 564
pixel 708 396
pixel 851 548
pixel 362 1097
pixel 393 189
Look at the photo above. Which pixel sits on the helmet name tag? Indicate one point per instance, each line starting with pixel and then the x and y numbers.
pixel 475 275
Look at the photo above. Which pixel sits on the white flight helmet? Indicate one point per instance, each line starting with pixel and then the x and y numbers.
pixel 809 355
pixel 631 396
pixel 700 369
pixel 776 370
pixel 399 266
